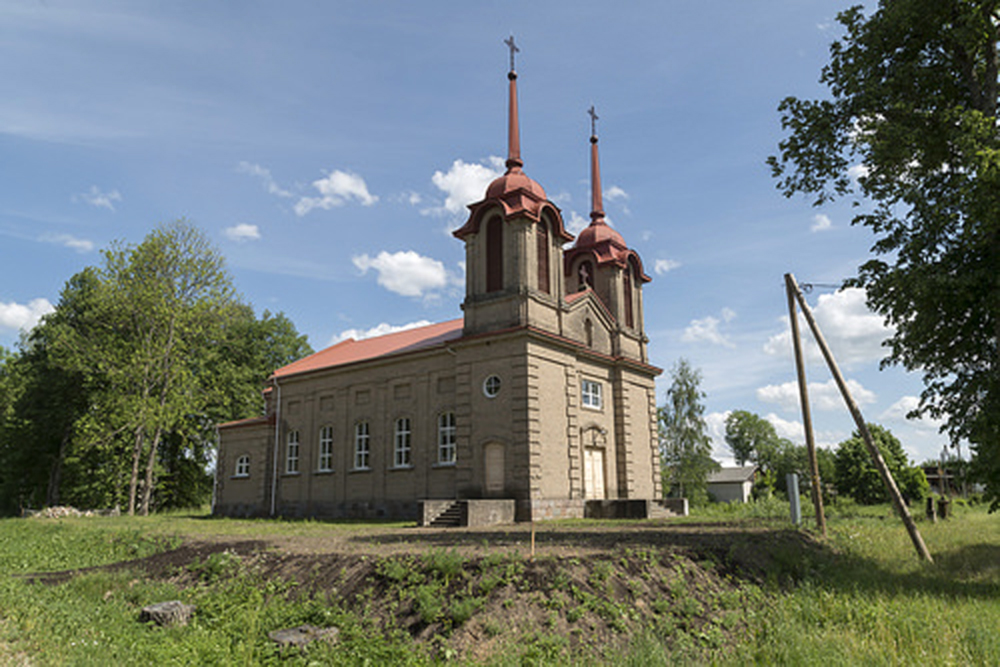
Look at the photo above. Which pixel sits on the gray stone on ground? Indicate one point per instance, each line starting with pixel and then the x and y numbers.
pixel 303 635
pixel 172 612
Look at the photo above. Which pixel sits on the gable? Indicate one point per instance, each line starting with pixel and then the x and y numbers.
pixel 586 307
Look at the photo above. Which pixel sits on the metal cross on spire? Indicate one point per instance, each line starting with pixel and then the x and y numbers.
pixel 593 121
pixel 513 49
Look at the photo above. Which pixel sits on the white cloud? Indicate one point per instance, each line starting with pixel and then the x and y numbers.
pixel 560 199
pixel 822 396
pixel 465 183
pixel 790 429
pixel 68 241
pixel 707 329
pixel 264 175
pixel 615 192
pixel 854 333
pixel 858 171
pixel 378 330
pixel 820 223
pixel 898 411
pixel 21 317
pixel 242 232
pixel 338 188
pixel 663 266
pixel 576 223
pixel 95 197
pixel 405 272
pixel 715 428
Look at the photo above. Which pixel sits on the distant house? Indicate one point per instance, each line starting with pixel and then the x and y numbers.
pixel 732 484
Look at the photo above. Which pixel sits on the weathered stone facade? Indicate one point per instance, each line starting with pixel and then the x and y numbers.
pixel 542 393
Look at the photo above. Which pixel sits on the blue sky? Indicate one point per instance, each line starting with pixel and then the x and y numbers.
pixel 329 148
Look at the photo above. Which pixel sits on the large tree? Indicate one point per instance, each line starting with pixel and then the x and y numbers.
pixel 750 436
pixel 858 477
pixel 113 398
pixel 910 134
pixel 685 448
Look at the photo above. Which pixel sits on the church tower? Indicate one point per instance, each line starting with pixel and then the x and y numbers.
pixel 601 261
pixel 513 245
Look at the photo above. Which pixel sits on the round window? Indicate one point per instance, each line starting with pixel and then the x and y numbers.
pixel 491 386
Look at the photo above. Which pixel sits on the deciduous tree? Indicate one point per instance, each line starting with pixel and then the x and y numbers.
pixel 910 134
pixel 858 478
pixel 685 448
pixel 749 436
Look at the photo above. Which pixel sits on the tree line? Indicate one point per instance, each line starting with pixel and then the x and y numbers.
pixel 686 452
pixel 112 400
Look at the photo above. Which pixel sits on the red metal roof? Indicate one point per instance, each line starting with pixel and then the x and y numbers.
pixel 252 421
pixel 351 351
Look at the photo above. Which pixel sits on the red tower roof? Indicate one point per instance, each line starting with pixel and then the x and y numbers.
pixel 516 192
pixel 599 238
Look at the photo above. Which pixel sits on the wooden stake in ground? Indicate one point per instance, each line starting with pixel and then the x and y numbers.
pixel 817 495
pixel 883 470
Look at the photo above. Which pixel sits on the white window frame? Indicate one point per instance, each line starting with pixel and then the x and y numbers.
pixel 591 394
pixel 325 463
pixel 492 386
pixel 362 446
pixel 242 466
pixel 402 449
pixel 447 449
pixel 292 454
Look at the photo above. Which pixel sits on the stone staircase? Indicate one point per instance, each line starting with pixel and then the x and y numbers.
pixel 452 517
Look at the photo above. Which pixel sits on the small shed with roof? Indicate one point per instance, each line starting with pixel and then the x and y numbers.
pixel 732 485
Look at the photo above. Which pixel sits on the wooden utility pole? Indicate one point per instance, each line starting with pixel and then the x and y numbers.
pixel 800 368
pixel 859 420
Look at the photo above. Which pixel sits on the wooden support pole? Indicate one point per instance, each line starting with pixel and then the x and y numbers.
pixel 800 368
pixel 883 470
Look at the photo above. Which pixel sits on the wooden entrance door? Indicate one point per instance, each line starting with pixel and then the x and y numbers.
pixel 493 473
pixel 593 474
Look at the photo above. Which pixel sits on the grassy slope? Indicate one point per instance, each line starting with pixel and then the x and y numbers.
pixel 869 602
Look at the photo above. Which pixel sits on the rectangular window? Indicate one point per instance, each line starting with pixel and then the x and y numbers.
pixel 326 449
pixel 292 453
pixel 362 446
pixel 446 438
pixel 401 449
pixel 591 394
pixel 243 466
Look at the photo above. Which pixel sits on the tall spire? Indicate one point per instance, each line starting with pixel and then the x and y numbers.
pixel 514 162
pixel 596 200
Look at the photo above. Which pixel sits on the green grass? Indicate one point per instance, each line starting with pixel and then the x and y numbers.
pixel 867 600
pixel 877 603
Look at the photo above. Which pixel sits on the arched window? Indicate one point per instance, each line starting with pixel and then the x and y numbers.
pixel 629 317
pixel 325 449
pixel 585 275
pixel 494 255
pixel 243 466
pixel 542 236
pixel 588 328
pixel 292 453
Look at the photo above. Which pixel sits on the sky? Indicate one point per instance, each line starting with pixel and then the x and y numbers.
pixel 329 149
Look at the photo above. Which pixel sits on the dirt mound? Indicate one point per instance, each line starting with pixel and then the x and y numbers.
pixel 468 593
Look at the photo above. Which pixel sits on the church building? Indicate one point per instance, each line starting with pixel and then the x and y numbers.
pixel 541 395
